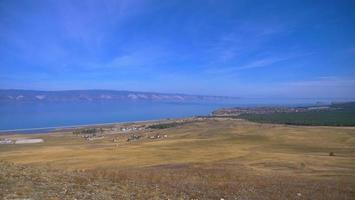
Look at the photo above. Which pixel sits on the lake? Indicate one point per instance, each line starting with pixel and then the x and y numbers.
pixel 30 115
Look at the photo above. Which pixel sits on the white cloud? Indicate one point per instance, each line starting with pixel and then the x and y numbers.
pixel 323 87
pixel 265 62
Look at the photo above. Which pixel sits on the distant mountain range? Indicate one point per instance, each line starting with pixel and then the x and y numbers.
pixel 13 95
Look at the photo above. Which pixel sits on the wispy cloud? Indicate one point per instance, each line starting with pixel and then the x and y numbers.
pixel 322 87
pixel 263 62
pixel 65 32
pixel 259 63
pixel 139 58
pixel 327 81
pixel 217 48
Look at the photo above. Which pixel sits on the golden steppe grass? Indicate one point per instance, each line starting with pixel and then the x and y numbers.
pixel 259 146
pixel 215 155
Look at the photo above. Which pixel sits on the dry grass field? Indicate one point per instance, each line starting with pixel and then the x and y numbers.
pixel 209 159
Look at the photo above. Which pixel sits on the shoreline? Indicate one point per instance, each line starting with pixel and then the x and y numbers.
pixel 61 128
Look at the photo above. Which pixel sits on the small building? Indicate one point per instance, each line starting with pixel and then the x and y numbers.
pixel 28 141
pixel 157 136
pixel 6 141
pixel 134 137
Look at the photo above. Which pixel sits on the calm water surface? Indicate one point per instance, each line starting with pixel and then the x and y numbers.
pixel 48 114
pixel 28 115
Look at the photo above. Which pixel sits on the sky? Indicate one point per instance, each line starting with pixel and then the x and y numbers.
pixel 242 48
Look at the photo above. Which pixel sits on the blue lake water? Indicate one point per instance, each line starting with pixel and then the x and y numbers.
pixel 26 115
pixel 49 114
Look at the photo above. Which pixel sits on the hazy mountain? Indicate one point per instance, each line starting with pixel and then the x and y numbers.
pixel 105 95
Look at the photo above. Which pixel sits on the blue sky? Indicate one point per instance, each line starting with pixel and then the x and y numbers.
pixel 245 48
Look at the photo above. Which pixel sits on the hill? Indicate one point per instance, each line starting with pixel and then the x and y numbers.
pixel 105 95
pixel 205 159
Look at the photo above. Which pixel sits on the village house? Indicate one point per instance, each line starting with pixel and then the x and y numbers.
pixel 157 136
pixel 6 141
pixel 134 137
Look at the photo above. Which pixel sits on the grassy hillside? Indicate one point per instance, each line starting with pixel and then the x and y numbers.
pixel 210 159
pixel 340 115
